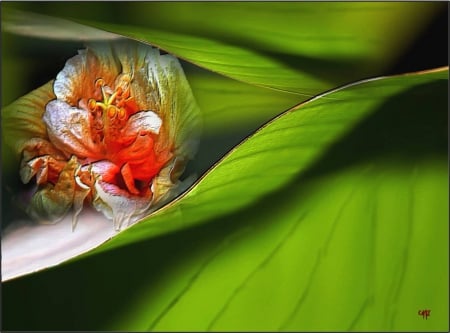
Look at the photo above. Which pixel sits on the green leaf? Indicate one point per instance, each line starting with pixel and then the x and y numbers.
pixel 304 48
pixel 276 153
pixel 290 28
pixel 231 111
pixel 228 105
pixel 343 225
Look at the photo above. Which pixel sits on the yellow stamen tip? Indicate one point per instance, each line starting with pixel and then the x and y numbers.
pixel 92 104
pixel 122 114
pixel 111 111
pixel 99 83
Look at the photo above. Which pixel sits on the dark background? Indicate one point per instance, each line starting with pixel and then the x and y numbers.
pixel 429 50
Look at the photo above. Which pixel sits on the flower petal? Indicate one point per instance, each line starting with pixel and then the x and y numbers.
pixel 52 202
pixel 119 205
pixel 22 119
pixel 178 109
pixel 77 78
pixel 41 158
pixel 143 122
pixel 116 203
pixel 45 168
pixel 103 170
pixel 161 86
pixel 163 187
pixel 69 129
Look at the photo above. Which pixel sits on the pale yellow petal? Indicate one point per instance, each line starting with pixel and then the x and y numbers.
pixel 181 121
pixel 76 81
pixel 22 119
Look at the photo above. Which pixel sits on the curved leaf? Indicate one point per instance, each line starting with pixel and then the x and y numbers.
pixel 301 29
pixel 304 48
pixel 228 105
pixel 357 238
pixel 281 149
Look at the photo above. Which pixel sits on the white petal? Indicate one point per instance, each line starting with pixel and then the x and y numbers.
pixel 77 79
pixel 69 129
pixel 141 122
pixel 115 202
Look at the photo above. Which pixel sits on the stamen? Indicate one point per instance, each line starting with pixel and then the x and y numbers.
pixel 111 111
pixel 99 83
pixel 103 106
pixel 92 105
pixel 122 114
pixel 112 98
pixel 114 102
pixel 105 98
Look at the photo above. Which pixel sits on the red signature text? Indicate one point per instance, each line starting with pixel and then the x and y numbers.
pixel 425 313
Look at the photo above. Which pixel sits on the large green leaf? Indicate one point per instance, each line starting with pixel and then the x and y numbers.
pixel 304 48
pixel 344 253
pixel 275 26
pixel 353 237
pixel 276 153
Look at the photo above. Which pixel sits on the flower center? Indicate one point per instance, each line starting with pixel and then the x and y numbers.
pixel 111 112
pixel 114 103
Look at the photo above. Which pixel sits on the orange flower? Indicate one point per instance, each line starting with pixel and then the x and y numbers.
pixel 117 134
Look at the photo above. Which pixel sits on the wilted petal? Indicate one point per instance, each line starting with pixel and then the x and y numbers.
pixel 114 202
pixel 37 147
pixel 161 86
pixel 138 153
pixel 143 122
pixel 45 168
pixel 162 185
pixel 52 202
pixel 119 205
pixel 77 79
pixel 36 167
pixel 80 195
pixel 41 158
pixel 69 129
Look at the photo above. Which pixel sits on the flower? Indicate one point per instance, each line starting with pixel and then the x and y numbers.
pixel 116 132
